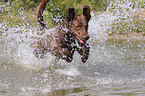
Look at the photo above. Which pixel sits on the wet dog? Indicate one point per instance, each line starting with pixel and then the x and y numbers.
pixel 63 41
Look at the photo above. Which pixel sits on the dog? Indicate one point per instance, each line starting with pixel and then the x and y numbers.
pixel 71 35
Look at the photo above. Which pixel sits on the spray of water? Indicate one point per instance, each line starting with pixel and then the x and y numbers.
pixel 17 41
pixel 99 25
pixel 16 47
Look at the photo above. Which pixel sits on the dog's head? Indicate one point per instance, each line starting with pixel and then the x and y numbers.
pixel 78 24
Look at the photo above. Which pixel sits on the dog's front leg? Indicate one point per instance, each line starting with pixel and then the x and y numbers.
pixel 84 52
pixel 63 53
pixel 69 55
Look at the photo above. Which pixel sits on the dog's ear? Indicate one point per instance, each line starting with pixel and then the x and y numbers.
pixel 71 14
pixel 86 12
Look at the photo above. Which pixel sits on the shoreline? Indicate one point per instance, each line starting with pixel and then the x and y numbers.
pixel 127 36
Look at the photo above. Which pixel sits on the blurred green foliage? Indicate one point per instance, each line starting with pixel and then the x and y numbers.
pixel 124 26
pixel 20 9
pixel 59 8
pixel 63 5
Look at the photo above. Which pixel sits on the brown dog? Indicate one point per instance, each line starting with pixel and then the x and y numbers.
pixel 62 42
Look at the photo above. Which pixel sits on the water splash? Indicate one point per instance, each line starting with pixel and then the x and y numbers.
pixel 107 65
pixel 99 25
pixel 17 47
pixel 17 41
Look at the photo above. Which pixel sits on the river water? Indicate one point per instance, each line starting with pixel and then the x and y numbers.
pixel 116 67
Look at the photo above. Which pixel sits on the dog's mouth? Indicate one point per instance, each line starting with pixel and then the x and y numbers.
pixel 81 41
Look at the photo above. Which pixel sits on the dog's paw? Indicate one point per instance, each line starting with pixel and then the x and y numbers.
pixel 68 59
pixel 85 53
pixel 84 57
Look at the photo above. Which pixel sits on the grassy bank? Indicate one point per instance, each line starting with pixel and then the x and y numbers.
pixel 18 12
pixel 22 12
pixel 135 23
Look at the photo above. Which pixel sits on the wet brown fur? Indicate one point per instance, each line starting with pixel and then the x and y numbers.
pixel 62 42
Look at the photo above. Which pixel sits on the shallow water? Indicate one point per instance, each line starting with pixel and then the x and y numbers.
pixel 114 67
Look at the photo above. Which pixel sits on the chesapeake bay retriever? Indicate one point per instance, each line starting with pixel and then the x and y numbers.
pixel 63 42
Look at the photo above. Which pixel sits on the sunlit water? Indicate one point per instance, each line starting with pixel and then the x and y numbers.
pixel 114 67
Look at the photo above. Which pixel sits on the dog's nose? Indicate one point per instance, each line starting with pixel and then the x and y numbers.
pixel 86 37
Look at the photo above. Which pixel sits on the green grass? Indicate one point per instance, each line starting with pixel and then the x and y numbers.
pixel 22 12
pixel 23 19
pixel 131 24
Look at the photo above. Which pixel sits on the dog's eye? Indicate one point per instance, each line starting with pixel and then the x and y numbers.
pixel 77 28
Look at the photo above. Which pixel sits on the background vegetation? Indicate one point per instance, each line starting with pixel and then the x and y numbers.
pixel 23 11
